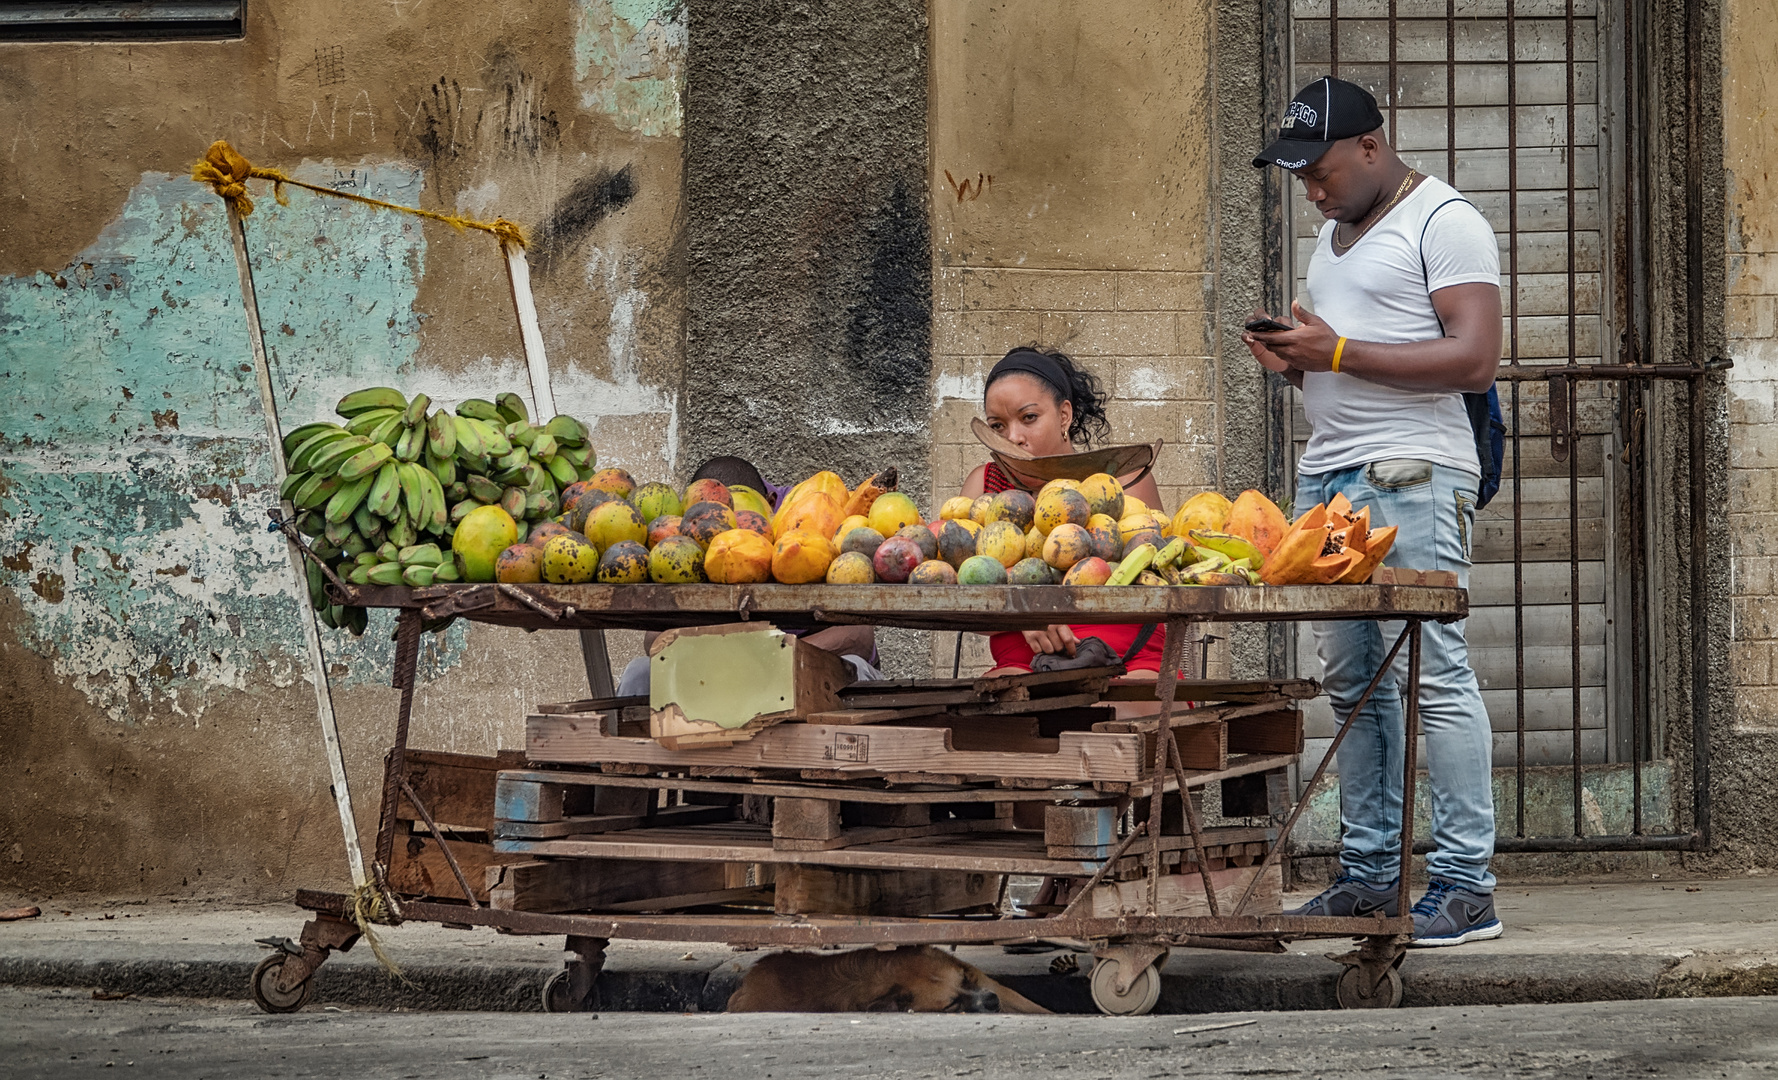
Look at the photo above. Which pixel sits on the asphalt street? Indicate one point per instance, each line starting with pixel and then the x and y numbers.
pixel 57 1033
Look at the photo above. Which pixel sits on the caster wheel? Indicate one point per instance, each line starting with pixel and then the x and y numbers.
pixel 265 987
pixel 1138 1000
pixel 1352 996
pixel 558 997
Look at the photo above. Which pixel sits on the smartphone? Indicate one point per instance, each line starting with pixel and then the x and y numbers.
pixel 1266 326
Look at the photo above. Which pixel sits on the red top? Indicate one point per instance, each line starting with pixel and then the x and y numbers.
pixel 995 481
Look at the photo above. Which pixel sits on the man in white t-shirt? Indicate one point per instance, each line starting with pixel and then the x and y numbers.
pixel 1405 287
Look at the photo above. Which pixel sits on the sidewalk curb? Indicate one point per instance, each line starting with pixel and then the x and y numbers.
pixel 1195 982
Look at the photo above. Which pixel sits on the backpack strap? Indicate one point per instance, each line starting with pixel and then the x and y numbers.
pixel 1142 637
pixel 1425 274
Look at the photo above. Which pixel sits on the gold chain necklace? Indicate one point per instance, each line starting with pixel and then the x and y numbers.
pixel 1376 216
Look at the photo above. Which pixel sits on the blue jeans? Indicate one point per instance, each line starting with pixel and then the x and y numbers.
pixel 1433 508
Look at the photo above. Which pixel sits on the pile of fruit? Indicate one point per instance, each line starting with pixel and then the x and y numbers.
pixel 1088 532
pixel 380 492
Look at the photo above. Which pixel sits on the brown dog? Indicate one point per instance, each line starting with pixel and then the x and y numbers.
pixel 909 979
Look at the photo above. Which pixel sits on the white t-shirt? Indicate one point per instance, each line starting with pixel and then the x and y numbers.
pixel 1378 291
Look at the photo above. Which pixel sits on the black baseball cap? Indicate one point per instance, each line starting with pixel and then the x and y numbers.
pixel 1321 114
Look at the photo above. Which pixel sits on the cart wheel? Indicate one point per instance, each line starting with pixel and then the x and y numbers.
pixel 1139 1000
pixel 558 997
pixel 1352 996
pixel 265 987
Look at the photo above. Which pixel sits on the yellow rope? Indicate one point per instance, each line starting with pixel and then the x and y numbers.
pixel 227 172
pixel 368 907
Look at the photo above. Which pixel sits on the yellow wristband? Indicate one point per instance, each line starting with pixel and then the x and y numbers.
pixel 1339 348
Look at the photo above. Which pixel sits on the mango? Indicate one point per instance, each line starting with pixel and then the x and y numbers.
pixel 677 560
pixel 520 564
pixel 896 558
pixel 933 572
pixel 956 507
pixel 1104 494
pixel 1133 505
pixel 568 561
pixel 1088 571
pixel 1014 505
pixel 814 511
pixel 846 526
pixel 661 528
pixel 623 563
pixel 1140 537
pixel 892 512
pixel 541 531
pixel 924 538
pixel 863 540
pixel 739 557
pixel 956 543
pixel 704 521
pixel 1207 511
pixel 1256 519
pixel 978 510
pixel 1107 542
pixel 708 491
pixel 1033 541
pixel 851 568
pixel 1060 506
pixel 1066 545
pixel 742 497
pixel 1031 571
pixel 654 499
pixel 616 481
pixel 480 538
pixel 753 521
pixel 1003 542
pixel 981 570
pixel 1135 523
pixel 613 523
pixel 583 505
pixel 802 556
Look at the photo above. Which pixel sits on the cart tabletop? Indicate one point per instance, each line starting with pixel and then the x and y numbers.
pixel 983 608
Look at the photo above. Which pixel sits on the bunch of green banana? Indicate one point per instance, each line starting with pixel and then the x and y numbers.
pixel 381 492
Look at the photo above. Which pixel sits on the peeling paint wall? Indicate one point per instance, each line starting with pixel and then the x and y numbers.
pixel 1746 749
pixel 156 726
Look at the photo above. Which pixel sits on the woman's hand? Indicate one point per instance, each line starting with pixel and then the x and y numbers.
pixel 1053 639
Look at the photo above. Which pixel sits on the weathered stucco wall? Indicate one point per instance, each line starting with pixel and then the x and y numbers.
pixel 1072 186
pixel 155 723
pixel 1747 746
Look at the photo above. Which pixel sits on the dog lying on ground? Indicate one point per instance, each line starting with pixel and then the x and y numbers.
pixel 909 979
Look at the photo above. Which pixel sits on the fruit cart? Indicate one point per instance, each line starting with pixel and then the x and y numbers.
pixel 598 833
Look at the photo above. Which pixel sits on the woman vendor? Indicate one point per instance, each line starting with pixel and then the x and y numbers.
pixel 1045 404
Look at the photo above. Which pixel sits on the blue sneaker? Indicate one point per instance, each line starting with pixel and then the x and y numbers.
pixel 1450 914
pixel 1350 897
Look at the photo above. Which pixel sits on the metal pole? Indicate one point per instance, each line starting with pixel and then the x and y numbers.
pixel 268 407
pixel 1409 757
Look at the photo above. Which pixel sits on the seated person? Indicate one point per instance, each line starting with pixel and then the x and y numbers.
pixel 856 645
pixel 1044 403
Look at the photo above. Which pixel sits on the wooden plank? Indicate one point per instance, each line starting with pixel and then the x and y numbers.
pixel 1544 541
pixel 1239 765
pixel 1273 733
pixel 1218 690
pixel 420 868
pixel 584 884
pixel 813 890
pixel 749 895
pixel 1491 584
pixel 586 705
pixel 805 819
pixel 1545 666
pixel 458 789
pixel 1091 827
pixel 588 824
pixel 1215 840
pixel 1081 755
pixel 860 836
pixel 1183 894
pixel 1203 746
pixel 1003 853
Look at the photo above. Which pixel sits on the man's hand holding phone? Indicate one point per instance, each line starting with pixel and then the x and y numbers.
pixel 1290 350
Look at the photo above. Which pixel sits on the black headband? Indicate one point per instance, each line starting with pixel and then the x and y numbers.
pixel 1032 362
